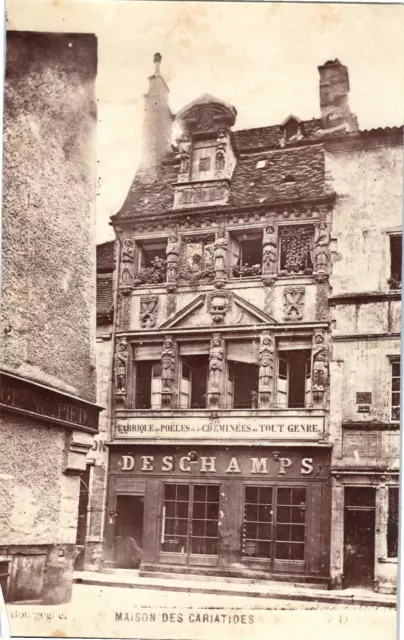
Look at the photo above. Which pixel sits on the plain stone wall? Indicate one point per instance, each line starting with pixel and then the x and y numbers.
pixel 48 264
pixel 32 459
pixel 369 184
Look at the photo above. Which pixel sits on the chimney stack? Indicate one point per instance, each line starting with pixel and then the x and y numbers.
pixel 334 89
pixel 157 125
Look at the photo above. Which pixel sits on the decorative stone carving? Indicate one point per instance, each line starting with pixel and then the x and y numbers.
pixel 167 370
pixel 172 253
pixel 322 309
pixel 321 249
pixel 293 303
pixel 219 258
pixel 171 304
pixel 218 304
pixel 121 363
pixel 124 306
pixel 215 370
pixel 206 120
pixel 184 144
pixel 188 196
pixel 127 260
pixel 221 150
pixel 266 362
pixel 148 311
pixel 269 245
pixel 320 368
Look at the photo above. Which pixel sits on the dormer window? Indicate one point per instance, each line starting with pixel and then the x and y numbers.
pixel 292 129
pixel 203 161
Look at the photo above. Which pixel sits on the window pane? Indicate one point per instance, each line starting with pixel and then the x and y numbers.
pixel 170 509
pixel 284 496
pixel 282 551
pixel 283 514
pixel 213 494
pixel 283 532
pixel 395 413
pixel 182 510
pixel 257 527
pixel 395 384
pixel 212 511
pixel 169 492
pixel 298 533
pixel 183 492
pixel 297 552
pixel 392 525
pixel 396 368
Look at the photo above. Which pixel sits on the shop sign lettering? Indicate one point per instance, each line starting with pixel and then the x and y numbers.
pixel 208 464
pixel 252 427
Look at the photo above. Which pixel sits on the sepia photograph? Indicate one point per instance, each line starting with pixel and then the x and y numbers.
pixel 200 328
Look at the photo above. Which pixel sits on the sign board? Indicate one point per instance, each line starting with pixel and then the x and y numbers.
pixel 246 428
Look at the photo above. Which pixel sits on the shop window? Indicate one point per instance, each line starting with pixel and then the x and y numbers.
pixel 192 530
pixel 395 261
pixel 148 385
pixel 392 525
pixel 246 254
pixel 194 381
pixel 152 262
pixel 290 524
pixel 205 519
pixel 294 379
pixel 257 525
pixel 395 390
pixel 174 535
pixel 296 242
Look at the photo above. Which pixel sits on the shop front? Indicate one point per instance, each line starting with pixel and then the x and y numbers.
pixel 221 510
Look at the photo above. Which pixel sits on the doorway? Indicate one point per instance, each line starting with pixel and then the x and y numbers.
pixel 359 537
pixel 128 542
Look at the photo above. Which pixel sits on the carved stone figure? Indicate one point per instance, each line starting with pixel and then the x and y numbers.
pixel 172 253
pixel 322 239
pixel 266 362
pixel 184 144
pixel 320 362
pixel 218 304
pixel 121 361
pixel 219 253
pixel 269 244
pixel 148 311
pixel 128 259
pixel 221 148
pixel 215 363
pixel 167 363
pixel 293 303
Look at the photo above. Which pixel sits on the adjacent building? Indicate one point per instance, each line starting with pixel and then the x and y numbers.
pixel 255 410
pixel 48 415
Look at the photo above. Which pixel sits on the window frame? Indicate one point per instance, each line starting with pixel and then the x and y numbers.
pixel 391 280
pixel 392 361
pixel 397 524
pixel 289 224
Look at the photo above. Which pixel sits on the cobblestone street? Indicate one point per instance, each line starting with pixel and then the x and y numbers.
pixel 140 613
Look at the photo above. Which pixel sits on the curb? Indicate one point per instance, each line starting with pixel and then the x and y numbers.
pixel 276 595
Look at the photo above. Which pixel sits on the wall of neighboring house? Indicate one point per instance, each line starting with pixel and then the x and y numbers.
pixel 366 324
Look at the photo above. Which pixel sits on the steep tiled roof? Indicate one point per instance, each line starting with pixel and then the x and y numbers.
pixel 105 257
pixel 104 295
pixel 294 171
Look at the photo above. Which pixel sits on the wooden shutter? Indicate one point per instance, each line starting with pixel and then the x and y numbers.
pixel 283 382
pixel 235 251
pixel 185 386
pixel 156 386
pixel 230 386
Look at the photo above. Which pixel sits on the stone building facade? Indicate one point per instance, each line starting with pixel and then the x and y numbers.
pixel 240 297
pixel 47 327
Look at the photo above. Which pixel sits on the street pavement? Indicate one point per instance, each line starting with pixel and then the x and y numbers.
pixel 163 615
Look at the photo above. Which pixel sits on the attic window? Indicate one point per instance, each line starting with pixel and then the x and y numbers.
pixel 204 164
pixel 292 129
pixel 261 164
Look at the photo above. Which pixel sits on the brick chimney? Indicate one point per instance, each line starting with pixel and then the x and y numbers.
pixel 334 89
pixel 157 125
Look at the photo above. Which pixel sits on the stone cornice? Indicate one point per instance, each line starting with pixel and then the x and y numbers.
pixel 366 297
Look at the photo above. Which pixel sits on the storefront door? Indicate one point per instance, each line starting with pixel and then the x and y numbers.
pixel 128 541
pixel 274 527
pixel 359 537
pixel 190 523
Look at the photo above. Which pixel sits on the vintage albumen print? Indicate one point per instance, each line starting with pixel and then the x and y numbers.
pixel 201 313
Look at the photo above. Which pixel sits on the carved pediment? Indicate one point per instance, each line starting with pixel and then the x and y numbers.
pixel 218 308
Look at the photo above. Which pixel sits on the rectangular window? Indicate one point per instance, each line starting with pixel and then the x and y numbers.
pixel 294 379
pixel 257 525
pixel 148 385
pixel 196 261
pixel 194 381
pixel 246 254
pixel 296 242
pixel 290 524
pixel 274 523
pixel 395 261
pixel 174 532
pixel 152 262
pixel 392 524
pixel 395 390
pixel 203 161
pixel 190 522
pixel 205 519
